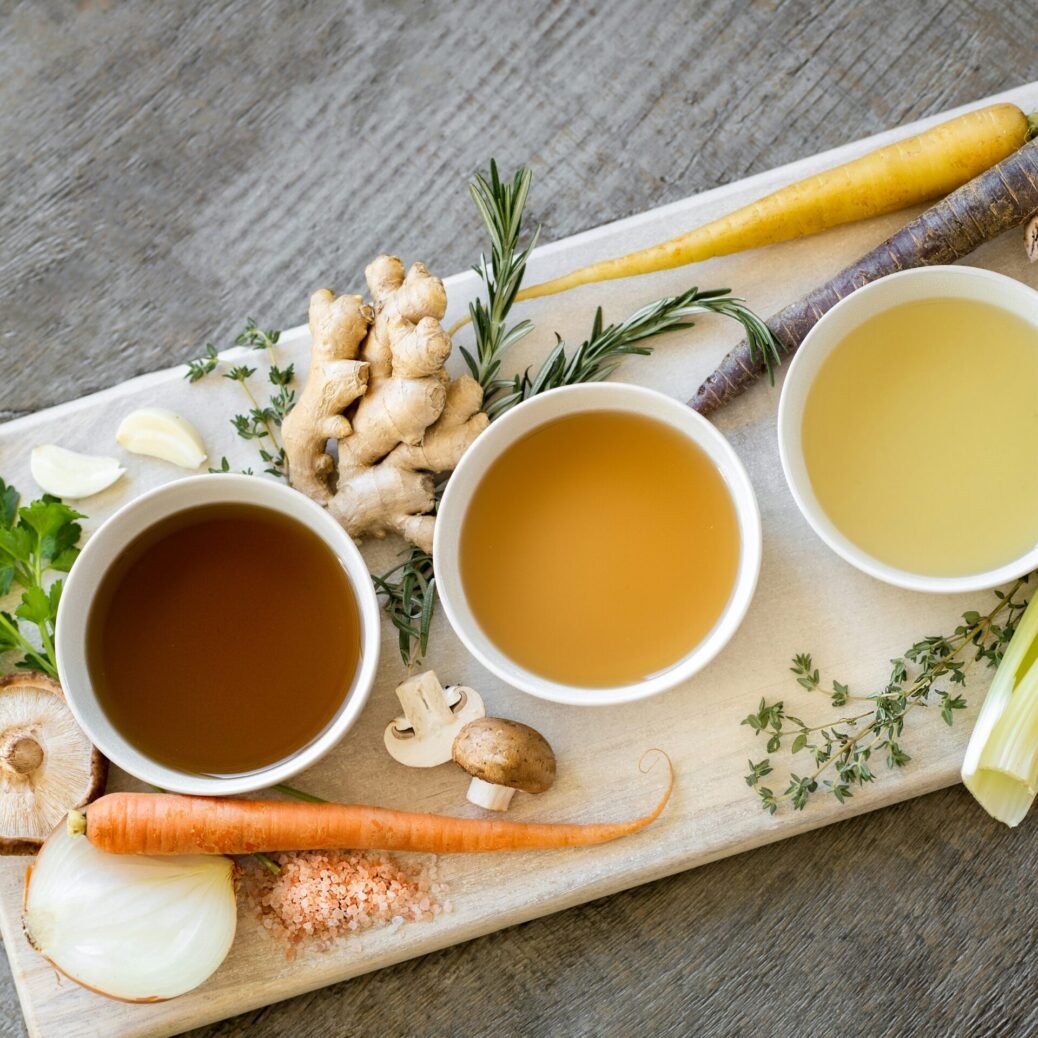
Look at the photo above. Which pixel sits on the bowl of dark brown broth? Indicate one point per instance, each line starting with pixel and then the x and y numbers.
pixel 597 544
pixel 218 635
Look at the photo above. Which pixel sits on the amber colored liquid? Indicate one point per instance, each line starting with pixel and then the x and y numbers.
pixel 223 639
pixel 599 549
pixel 919 435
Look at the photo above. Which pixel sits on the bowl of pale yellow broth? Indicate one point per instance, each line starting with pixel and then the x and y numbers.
pixel 597 544
pixel 908 424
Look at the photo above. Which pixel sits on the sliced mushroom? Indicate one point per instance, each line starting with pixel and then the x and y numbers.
pixel 503 756
pixel 47 764
pixel 433 716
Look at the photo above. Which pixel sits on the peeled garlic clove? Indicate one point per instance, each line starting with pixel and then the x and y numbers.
pixel 161 433
pixel 68 474
pixel 129 926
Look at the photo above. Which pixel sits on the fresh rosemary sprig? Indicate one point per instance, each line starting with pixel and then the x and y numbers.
pixel 408 589
pixel 598 356
pixel 262 422
pixel 501 207
pixel 928 674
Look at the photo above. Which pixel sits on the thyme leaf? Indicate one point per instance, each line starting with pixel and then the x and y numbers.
pixel 262 421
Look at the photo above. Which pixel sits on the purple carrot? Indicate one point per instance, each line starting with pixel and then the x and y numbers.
pixel 999 199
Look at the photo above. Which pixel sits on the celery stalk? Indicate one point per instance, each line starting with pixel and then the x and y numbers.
pixel 1001 764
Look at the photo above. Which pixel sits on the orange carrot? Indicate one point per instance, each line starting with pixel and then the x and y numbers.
pixel 165 823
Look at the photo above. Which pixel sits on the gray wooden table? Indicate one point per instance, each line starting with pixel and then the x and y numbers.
pixel 171 168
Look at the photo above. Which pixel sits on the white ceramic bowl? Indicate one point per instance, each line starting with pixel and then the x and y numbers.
pixel 904 287
pixel 106 544
pixel 602 396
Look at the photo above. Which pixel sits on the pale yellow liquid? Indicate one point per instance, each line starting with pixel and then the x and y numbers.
pixel 920 435
pixel 599 549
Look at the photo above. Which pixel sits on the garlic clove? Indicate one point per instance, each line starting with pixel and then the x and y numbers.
pixel 68 474
pixel 161 433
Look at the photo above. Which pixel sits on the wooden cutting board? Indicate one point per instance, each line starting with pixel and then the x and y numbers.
pixel 807 600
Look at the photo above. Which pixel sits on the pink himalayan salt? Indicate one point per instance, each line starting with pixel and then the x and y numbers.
pixel 322 896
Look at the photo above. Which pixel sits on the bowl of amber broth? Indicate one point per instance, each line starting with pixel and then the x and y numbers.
pixel 218 635
pixel 598 544
pixel 907 428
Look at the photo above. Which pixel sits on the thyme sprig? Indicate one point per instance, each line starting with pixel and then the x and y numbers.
pixel 931 673
pixel 262 421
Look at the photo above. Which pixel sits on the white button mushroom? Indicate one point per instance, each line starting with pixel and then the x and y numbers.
pixel 47 764
pixel 503 756
pixel 433 716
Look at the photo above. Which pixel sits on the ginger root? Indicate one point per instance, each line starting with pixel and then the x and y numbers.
pixel 378 386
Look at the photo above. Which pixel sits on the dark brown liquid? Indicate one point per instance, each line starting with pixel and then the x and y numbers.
pixel 223 639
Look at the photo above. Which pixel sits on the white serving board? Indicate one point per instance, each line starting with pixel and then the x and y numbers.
pixel 808 600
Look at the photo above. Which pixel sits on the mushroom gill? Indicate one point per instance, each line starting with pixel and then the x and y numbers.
pixel 47 764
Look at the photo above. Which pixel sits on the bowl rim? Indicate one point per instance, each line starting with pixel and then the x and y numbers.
pixel 501 434
pixel 105 544
pixel 800 375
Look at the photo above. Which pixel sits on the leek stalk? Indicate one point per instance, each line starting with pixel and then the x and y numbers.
pixel 1001 764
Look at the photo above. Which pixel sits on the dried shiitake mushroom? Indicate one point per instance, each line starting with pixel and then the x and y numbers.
pixel 47 764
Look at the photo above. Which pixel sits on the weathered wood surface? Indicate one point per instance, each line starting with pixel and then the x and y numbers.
pixel 169 170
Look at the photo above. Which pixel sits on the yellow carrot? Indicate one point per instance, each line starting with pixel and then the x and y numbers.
pixel 905 173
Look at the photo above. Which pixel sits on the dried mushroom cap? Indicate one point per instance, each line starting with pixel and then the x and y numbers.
pixel 505 753
pixel 47 764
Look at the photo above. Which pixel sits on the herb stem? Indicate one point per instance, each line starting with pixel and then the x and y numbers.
pixel 298 794
pixel 845 749
pixel 267 862
pixel 822 727
pixel 260 411
pixel 261 423
pixel 48 649
pixel 19 643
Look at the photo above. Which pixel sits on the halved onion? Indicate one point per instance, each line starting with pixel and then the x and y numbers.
pixel 132 927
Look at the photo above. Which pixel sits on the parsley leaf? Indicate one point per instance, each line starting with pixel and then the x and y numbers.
pixel 35 539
